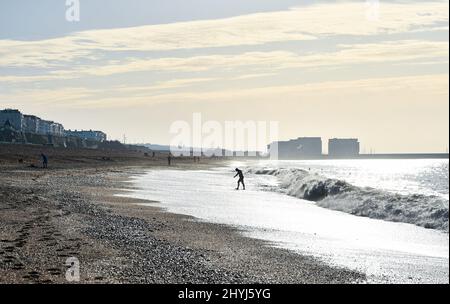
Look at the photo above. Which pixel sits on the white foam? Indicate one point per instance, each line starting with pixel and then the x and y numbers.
pixel 418 209
pixel 386 251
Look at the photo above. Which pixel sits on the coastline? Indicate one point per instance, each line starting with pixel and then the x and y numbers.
pixel 49 215
pixel 385 251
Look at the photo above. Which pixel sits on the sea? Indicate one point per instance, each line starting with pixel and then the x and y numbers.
pixel 387 218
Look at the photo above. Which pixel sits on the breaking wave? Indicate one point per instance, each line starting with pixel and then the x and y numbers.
pixel 418 209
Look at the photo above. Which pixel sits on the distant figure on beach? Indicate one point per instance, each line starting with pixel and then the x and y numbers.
pixel 44 160
pixel 169 159
pixel 241 178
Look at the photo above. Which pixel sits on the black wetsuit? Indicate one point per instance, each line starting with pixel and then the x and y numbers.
pixel 241 179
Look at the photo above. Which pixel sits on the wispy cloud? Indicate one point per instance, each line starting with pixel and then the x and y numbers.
pixel 163 85
pixel 345 55
pixel 433 85
pixel 268 63
pixel 304 23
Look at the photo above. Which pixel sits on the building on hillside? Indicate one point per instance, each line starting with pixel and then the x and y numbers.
pixel 44 127
pixel 92 135
pixel 56 129
pixel 14 120
pixel 14 117
pixel 47 127
pixel 300 148
pixel 343 147
pixel 31 123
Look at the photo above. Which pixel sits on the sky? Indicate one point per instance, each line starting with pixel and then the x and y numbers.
pixel 374 70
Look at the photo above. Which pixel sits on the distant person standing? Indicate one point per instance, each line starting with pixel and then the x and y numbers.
pixel 44 160
pixel 241 179
pixel 169 160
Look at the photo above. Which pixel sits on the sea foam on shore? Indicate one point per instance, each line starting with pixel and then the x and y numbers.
pixel 336 194
pixel 384 251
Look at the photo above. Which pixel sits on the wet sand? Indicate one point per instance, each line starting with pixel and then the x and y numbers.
pixel 70 210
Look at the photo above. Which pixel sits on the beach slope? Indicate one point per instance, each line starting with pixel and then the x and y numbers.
pixel 70 211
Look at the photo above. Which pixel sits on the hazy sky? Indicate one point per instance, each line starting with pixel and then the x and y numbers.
pixel 320 68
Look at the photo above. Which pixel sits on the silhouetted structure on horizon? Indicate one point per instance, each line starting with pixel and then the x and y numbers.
pixel 343 147
pixel 300 148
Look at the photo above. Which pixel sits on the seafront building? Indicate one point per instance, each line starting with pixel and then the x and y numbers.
pixel 31 123
pixel 56 128
pixel 35 125
pixel 92 135
pixel 12 117
pixel 343 147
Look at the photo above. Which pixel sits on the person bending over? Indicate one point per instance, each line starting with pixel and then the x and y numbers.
pixel 241 179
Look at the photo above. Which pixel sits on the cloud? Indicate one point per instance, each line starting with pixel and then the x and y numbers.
pixel 38 78
pixel 256 75
pixel 302 23
pixel 267 63
pixel 163 85
pixel 433 85
pixel 406 50
pixel 59 97
pixel 430 85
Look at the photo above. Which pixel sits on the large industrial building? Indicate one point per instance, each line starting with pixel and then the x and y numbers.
pixel 300 148
pixel 311 148
pixel 343 147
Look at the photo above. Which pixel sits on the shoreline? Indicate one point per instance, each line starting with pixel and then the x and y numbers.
pixel 50 215
pixel 207 196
